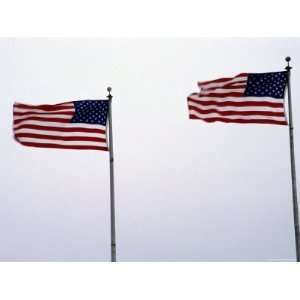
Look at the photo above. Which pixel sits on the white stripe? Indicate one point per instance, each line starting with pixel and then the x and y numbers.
pixel 60 133
pixel 67 117
pixel 220 84
pixel 252 117
pixel 237 108
pixel 240 83
pixel 236 99
pixel 222 91
pixel 23 110
pixel 62 125
pixel 65 143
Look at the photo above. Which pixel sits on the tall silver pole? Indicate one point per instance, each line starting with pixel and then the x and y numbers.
pixel 112 184
pixel 293 166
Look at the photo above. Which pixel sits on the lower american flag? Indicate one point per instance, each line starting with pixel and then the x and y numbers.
pixel 245 98
pixel 68 125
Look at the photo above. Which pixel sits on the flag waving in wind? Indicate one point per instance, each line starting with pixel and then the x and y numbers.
pixel 69 125
pixel 245 98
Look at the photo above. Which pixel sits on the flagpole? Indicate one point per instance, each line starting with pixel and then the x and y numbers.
pixel 112 184
pixel 293 166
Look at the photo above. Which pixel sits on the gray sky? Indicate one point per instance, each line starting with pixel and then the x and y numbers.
pixel 185 190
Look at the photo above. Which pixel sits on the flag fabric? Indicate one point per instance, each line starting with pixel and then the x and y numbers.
pixel 245 98
pixel 69 125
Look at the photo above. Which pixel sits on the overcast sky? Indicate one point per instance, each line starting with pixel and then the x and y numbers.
pixel 186 190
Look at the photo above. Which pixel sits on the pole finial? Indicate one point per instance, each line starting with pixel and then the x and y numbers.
pixel 109 90
pixel 288 59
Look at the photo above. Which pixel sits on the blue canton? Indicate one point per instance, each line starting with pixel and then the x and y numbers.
pixel 266 85
pixel 90 112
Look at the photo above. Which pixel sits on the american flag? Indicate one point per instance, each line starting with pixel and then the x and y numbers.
pixel 245 98
pixel 68 125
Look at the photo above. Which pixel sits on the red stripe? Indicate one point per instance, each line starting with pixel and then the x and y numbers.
pixel 222 79
pixel 226 120
pixel 77 147
pixel 62 103
pixel 222 95
pixel 60 138
pixel 47 107
pixel 238 104
pixel 58 120
pixel 235 112
pixel 44 113
pixel 53 128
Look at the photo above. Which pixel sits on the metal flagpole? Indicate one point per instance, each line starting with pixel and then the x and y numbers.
pixel 112 185
pixel 293 166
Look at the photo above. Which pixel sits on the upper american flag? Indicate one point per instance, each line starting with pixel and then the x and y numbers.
pixel 245 98
pixel 68 125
